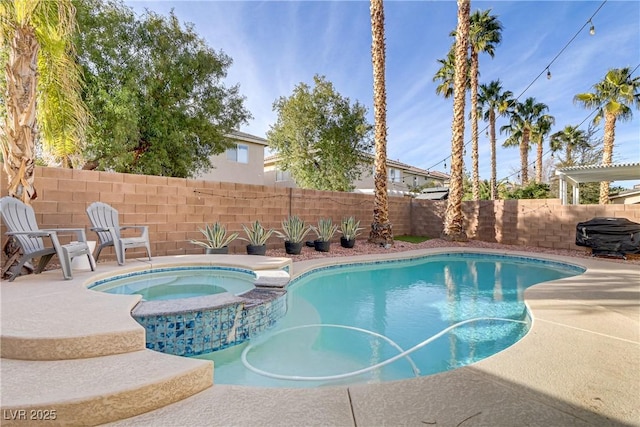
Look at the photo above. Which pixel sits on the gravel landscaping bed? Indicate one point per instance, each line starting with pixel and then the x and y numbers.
pixel 362 247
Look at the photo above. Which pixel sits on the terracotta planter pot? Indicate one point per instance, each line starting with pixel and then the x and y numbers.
pixel 256 250
pixel 293 248
pixel 321 245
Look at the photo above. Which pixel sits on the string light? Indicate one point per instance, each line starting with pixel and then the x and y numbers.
pixel 592 28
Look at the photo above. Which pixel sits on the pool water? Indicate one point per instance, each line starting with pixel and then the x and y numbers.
pixel 407 302
pixel 177 284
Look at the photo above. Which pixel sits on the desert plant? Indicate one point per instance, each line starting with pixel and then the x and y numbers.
pixel 257 235
pixel 216 236
pixel 325 229
pixel 294 229
pixel 350 228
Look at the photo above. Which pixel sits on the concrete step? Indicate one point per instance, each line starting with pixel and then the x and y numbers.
pixel 97 390
pixel 58 320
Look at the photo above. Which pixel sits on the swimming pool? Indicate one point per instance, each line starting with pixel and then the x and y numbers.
pixel 347 318
pixel 168 284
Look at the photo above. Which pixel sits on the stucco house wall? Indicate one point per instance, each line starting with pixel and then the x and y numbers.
pixel 227 169
pixel 401 177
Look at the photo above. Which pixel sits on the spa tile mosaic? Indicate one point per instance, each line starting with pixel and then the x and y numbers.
pixel 215 328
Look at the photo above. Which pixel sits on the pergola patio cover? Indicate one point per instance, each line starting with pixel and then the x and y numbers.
pixel 574 175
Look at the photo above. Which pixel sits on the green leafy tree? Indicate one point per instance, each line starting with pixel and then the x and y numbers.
pixel 156 92
pixel 320 137
pixel 485 189
pixel 613 99
pixel 42 88
pixel 533 190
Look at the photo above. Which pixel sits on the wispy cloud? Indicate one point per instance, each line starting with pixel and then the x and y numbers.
pixel 276 45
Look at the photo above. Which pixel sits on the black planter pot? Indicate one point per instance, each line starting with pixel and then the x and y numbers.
pixel 293 248
pixel 256 250
pixel 347 243
pixel 214 251
pixel 321 245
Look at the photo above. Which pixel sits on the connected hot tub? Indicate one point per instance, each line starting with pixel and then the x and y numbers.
pixel 192 310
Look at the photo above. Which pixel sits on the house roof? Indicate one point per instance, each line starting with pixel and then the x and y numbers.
pixel 625 194
pixel 435 193
pixel 416 170
pixel 597 173
pixel 243 136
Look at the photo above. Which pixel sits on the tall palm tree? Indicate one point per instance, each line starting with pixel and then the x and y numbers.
pixel 380 228
pixel 454 219
pixel 613 98
pixel 444 75
pixel 484 35
pixel 446 72
pixel 521 121
pixel 569 139
pixel 540 130
pixel 493 101
pixel 42 95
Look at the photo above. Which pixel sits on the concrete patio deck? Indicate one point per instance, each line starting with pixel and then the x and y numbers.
pixel 579 364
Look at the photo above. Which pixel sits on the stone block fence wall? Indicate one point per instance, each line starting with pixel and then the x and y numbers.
pixel 174 209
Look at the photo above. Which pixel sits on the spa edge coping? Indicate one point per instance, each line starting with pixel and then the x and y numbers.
pixel 271 277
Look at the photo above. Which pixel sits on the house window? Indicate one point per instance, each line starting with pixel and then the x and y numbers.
pixel 394 175
pixel 282 175
pixel 239 153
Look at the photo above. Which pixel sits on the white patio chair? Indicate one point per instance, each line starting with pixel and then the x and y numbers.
pixel 104 220
pixel 20 220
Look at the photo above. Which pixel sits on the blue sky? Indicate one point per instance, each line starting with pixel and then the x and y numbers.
pixel 275 45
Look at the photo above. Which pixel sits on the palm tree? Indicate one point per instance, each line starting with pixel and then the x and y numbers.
pixel 613 98
pixel 454 219
pixel 380 228
pixel 493 101
pixel 540 130
pixel 522 119
pixel 569 138
pixel 42 95
pixel 484 35
pixel 446 72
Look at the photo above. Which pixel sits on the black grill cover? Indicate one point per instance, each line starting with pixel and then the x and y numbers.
pixel 609 236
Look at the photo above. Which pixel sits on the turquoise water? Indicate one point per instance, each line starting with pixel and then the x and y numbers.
pixel 405 301
pixel 176 283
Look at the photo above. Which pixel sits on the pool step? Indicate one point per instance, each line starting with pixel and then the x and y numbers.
pixel 97 390
pixel 60 320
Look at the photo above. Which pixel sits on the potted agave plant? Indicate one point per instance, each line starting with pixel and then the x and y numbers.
pixel 325 231
pixel 217 241
pixel 257 237
pixel 293 232
pixel 350 228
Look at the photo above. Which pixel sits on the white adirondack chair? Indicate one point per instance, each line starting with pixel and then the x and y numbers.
pixel 104 221
pixel 20 220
